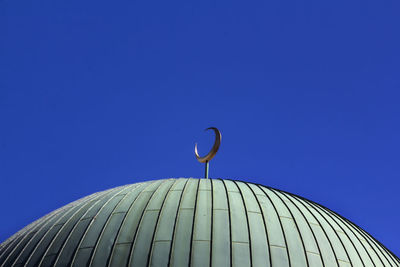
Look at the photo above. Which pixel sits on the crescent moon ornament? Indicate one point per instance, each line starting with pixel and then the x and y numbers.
pixel 213 150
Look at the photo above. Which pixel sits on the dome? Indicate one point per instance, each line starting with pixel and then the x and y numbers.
pixel 197 222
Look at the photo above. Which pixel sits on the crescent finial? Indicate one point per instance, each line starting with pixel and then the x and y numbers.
pixel 213 150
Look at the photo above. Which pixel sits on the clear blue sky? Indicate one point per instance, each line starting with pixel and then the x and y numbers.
pixel 96 94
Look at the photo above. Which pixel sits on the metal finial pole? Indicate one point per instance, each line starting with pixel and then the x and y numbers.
pixel 206 159
pixel 207 168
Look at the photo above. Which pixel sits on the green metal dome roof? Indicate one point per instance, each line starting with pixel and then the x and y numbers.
pixel 197 222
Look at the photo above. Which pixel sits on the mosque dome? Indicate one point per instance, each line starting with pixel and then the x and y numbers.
pixel 194 222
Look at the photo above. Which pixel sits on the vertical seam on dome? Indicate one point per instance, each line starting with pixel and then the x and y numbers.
pixel 36 228
pixel 83 201
pixel 19 240
pixel 309 226
pixel 90 224
pixel 333 229
pixel 144 185
pixel 73 229
pixel 106 223
pixel 391 254
pixel 247 220
pixel 9 247
pixel 194 220
pixel 157 224
pixel 27 229
pixel 352 231
pixel 89 202
pixel 16 238
pixel 147 185
pixel 377 244
pixel 279 220
pixel 379 250
pixel 41 222
pixel 78 206
pixel 297 227
pixel 369 238
pixel 344 231
pixel 381 246
pixel 265 225
pixel 140 222
pixel 319 223
pixel 67 239
pixel 176 219
pixel 5 245
pixel 230 222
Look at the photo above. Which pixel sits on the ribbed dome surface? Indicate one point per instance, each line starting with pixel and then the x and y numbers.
pixel 198 222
